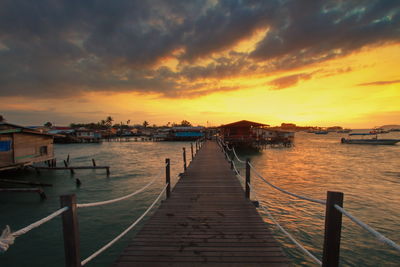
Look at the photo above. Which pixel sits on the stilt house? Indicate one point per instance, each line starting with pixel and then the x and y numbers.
pixel 20 146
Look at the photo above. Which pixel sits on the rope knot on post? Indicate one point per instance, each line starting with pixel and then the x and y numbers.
pixel 6 239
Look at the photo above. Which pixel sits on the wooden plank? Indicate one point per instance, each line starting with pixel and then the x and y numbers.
pixel 206 220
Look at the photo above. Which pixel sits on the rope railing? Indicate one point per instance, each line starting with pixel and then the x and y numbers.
pixel 101 203
pixel 322 202
pixel 70 221
pixel 369 229
pixel 7 237
pixel 332 220
pixel 236 156
pixel 109 244
pixel 300 246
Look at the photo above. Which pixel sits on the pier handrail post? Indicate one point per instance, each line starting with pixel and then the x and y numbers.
pixel 333 227
pixel 247 178
pixel 70 231
pixel 168 177
pixel 184 159
pixel 197 147
pixel 191 149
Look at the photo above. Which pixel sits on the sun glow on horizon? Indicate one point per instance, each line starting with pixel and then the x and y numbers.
pixel 333 94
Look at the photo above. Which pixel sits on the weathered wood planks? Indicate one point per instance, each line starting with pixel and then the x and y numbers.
pixel 206 221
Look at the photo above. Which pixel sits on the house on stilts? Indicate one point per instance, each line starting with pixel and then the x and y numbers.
pixel 253 135
pixel 21 146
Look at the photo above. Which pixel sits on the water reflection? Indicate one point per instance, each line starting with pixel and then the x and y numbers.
pixel 368 176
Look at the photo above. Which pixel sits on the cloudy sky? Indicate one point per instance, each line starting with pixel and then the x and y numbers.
pixel 307 62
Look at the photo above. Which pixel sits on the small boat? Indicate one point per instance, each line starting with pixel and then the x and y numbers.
pixel 321 132
pixel 369 141
pixel 378 131
pixel 344 131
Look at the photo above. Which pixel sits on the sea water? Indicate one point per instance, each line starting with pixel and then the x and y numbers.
pixel 369 177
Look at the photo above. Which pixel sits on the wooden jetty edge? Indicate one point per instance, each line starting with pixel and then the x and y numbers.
pixel 207 220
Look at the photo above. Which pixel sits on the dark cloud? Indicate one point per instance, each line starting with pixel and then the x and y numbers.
pixel 379 83
pixel 289 81
pixel 318 30
pixel 54 48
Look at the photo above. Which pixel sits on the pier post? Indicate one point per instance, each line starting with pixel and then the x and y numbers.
pixel 168 177
pixel 184 159
pixel 231 161
pixel 197 149
pixel 191 149
pixel 94 163
pixel 247 178
pixel 70 231
pixel 333 227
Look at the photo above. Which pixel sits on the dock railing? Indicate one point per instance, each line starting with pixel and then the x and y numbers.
pixel 333 212
pixel 68 210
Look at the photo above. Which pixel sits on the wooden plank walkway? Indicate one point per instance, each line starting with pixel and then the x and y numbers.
pixel 206 221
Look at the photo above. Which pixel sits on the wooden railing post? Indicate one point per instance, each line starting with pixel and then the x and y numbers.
pixel 333 227
pixel 70 231
pixel 247 178
pixel 191 149
pixel 197 147
pixel 168 177
pixel 184 159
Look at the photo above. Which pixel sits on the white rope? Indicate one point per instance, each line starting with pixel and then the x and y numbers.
pixel 234 152
pixel 100 203
pixel 227 147
pixel 287 192
pixel 109 244
pixel 7 237
pixel 369 229
pixel 240 177
pixel 300 246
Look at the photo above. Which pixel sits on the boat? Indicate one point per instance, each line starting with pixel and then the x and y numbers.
pixel 321 132
pixel 378 131
pixel 344 131
pixel 368 141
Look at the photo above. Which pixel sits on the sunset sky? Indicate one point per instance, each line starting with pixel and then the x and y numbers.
pixel 307 62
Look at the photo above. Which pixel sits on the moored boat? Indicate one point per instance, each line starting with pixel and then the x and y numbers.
pixel 369 141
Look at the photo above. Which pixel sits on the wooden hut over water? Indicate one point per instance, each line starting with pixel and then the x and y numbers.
pixel 242 134
pixel 253 135
pixel 21 146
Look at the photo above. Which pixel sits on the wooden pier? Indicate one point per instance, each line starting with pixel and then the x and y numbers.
pixel 207 220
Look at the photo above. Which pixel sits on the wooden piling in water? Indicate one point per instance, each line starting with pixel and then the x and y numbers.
pixel 184 159
pixel 333 227
pixel 70 231
pixel 168 177
pixel 247 193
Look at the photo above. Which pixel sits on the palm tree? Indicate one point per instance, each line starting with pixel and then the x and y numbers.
pixel 145 124
pixel 109 121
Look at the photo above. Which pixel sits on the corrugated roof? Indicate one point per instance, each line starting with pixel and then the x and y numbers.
pixel 243 123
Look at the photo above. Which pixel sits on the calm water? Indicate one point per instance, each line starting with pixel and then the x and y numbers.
pixel 369 176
